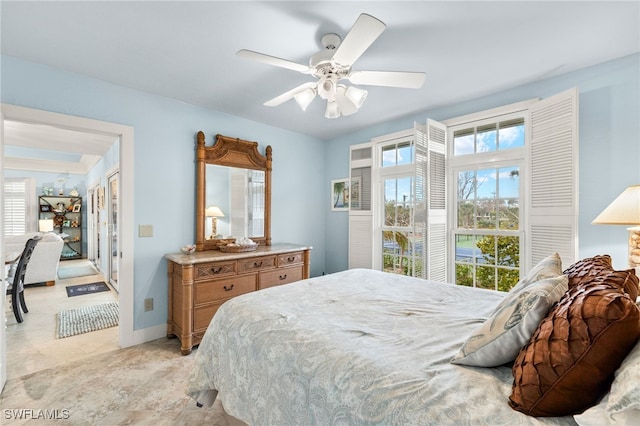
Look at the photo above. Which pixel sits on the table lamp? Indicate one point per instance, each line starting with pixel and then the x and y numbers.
pixel 45 225
pixel 625 210
pixel 214 213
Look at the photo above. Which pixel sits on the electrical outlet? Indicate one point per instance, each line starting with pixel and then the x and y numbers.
pixel 148 304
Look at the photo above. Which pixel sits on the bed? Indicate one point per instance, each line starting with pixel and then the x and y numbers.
pixel 357 347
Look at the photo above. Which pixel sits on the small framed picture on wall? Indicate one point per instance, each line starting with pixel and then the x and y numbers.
pixel 340 195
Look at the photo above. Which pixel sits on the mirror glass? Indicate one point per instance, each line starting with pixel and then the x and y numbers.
pixel 235 203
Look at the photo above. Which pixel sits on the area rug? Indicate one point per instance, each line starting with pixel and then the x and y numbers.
pixel 84 320
pixel 76 269
pixel 80 289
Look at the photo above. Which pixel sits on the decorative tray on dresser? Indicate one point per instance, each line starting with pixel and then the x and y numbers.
pixel 200 282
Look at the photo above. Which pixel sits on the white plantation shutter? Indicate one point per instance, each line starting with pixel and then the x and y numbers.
pixel 360 212
pixel 19 215
pixel 436 235
pixel 553 186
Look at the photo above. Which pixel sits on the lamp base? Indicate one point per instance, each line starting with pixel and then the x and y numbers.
pixel 634 247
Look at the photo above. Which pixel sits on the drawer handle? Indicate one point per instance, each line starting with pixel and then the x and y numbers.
pixel 216 270
pixel 283 277
pixel 228 289
pixel 291 259
pixel 257 264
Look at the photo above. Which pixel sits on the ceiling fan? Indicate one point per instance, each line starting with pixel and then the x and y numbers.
pixel 333 64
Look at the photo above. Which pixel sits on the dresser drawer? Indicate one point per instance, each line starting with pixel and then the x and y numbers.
pixel 256 263
pixel 280 276
pixel 202 317
pixel 223 288
pixel 215 269
pixel 290 258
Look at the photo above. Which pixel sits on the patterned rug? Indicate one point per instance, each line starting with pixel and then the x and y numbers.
pixel 80 289
pixel 84 320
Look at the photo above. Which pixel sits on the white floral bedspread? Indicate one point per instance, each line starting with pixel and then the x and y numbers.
pixel 358 347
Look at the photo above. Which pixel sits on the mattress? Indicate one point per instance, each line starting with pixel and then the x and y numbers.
pixel 358 347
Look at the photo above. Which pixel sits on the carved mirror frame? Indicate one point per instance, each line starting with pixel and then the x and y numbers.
pixel 231 152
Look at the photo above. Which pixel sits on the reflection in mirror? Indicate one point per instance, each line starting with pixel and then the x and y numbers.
pixel 235 202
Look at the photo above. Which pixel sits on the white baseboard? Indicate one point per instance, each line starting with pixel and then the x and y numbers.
pixel 146 335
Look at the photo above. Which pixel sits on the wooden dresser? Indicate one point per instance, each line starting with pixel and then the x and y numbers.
pixel 199 283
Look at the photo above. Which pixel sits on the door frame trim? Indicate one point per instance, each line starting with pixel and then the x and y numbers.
pixel 126 167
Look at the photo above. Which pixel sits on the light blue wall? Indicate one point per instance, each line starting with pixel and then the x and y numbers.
pixel 164 176
pixel 609 149
pixel 164 132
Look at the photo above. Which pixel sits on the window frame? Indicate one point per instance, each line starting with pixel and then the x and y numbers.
pixel 380 173
pixel 518 157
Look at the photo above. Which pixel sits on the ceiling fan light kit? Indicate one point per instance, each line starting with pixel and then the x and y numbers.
pixel 333 64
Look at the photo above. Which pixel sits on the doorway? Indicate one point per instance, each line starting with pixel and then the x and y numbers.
pixel 124 133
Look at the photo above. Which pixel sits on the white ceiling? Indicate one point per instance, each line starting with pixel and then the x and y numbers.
pixel 186 50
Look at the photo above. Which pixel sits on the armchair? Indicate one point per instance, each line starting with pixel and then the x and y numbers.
pixel 43 266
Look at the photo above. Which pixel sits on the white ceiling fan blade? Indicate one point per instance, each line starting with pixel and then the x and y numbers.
pixel 409 80
pixel 272 60
pixel 364 32
pixel 289 95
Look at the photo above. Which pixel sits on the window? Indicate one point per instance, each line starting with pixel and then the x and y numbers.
pixel 19 201
pixel 488 158
pixel 401 245
pixel 487 235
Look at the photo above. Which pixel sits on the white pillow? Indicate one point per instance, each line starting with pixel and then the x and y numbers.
pixel 499 339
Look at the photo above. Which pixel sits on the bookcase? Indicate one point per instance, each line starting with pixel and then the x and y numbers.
pixel 66 213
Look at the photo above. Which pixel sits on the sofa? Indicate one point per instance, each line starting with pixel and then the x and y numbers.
pixel 43 266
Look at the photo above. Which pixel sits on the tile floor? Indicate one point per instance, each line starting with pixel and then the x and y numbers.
pixel 32 345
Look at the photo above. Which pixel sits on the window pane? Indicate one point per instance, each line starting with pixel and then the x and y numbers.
pixel 507 279
pixel 508 251
pixel 466 250
pixel 511 134
pixel 466 214
pixel 486 277
pixel 397 252
pixel 463 142
pixel 487 246
pixel 509 198
pixel 486 189
pixel 464 274
pixel 405 153
pixel 390 197
pixel 388 156
pixel 486 138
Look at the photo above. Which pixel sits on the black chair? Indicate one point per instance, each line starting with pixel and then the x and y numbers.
pixel 16 285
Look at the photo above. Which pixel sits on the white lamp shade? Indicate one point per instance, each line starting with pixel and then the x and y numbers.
pixel 213 211
pixel 45 225
pixel 332 110
pixel 345 105
pixel 624 210
pixel 304 98
pixel 357 96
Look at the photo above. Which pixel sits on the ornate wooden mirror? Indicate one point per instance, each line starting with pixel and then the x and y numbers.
pixel 233 192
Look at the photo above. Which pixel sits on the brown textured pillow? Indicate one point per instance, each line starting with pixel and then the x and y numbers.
pixel 586 270
pixel 569 361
